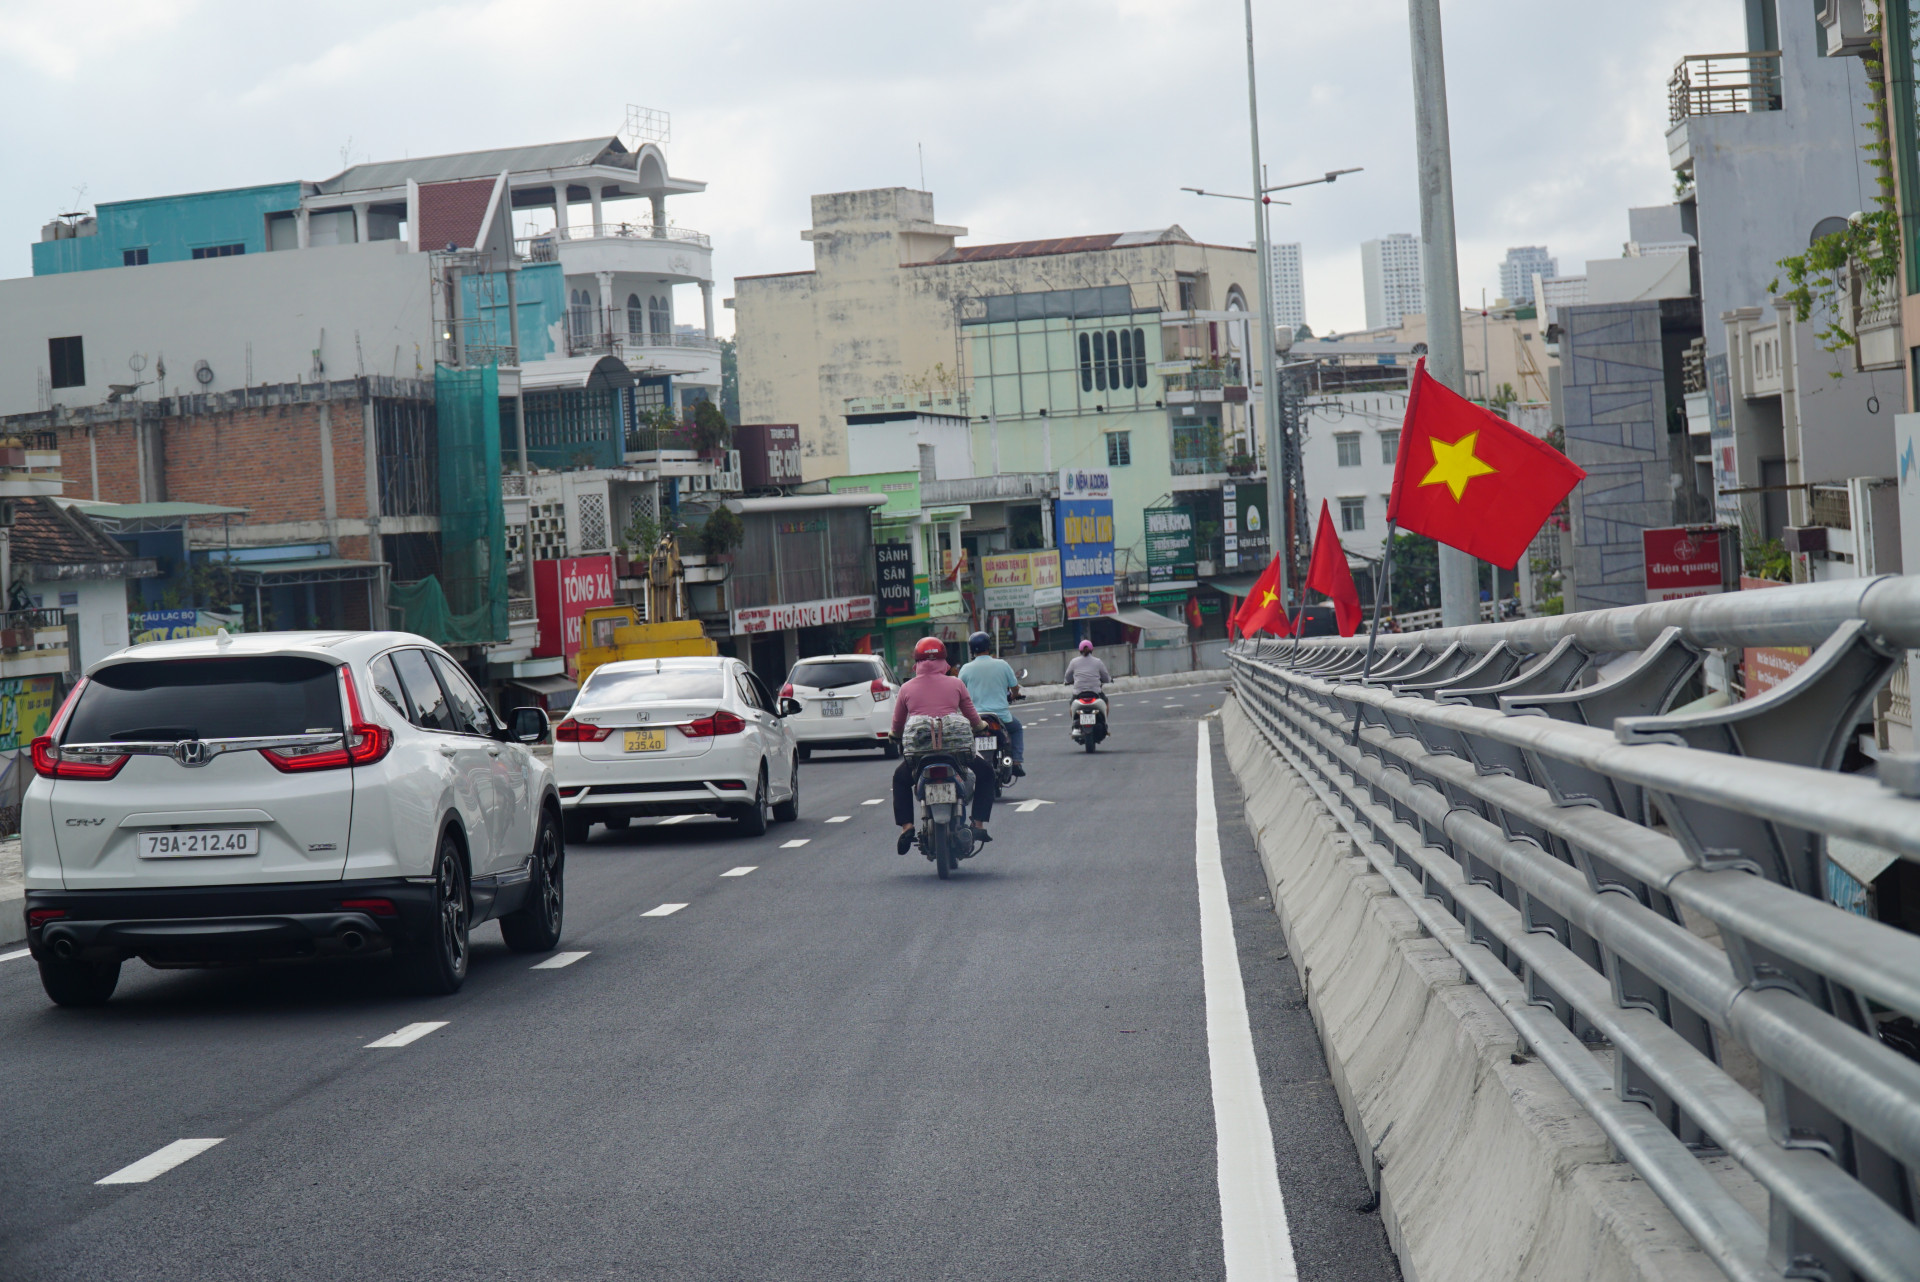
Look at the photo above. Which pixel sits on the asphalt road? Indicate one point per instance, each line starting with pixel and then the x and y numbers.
pixel 834 1066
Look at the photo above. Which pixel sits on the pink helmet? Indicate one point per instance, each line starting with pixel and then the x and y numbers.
pixel 1086 646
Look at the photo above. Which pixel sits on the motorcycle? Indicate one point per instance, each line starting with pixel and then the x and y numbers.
pixel 943 793
pixel 1089 720
pixel 996 746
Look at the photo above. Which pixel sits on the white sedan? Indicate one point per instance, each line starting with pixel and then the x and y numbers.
pixel 688 736
pixel 846 701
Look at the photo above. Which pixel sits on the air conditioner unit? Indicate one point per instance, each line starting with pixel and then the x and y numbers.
pixel 1844 23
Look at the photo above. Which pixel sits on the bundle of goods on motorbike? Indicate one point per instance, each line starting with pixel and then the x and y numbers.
pixel 923 734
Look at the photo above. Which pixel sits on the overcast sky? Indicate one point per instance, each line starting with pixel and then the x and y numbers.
pixel 1037 117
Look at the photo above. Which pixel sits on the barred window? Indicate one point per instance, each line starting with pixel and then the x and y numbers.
pixel 1119 449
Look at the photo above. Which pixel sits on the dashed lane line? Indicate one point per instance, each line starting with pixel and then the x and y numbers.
pixel 673 819
pixel 664 910
pixel 741 871
pixel 159 1162
pixel 559 960
pixel 795 843
pixel 838 819
pixel 873 801
pixel 406 1036
pixel 24 952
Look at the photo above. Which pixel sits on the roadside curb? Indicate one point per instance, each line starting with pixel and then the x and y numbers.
pixel 1487 1170
pixel 13 915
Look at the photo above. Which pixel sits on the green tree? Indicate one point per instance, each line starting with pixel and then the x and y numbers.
pixel 1415 583
pixel 710 427
pixel 729 380
pixel 722 532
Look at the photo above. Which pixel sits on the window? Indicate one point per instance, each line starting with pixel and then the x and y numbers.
pixel 216 251
pixel 1119 449
pixel 1126 358
pixel 1189 292
pixel 470 710
pixel 660 315
pixel 833 674
pixel 208 699
pixel 67 362
pixel 69 598
pixel 1086 363
pixel 636 316
pixel 1389 446
pixel 762 697
pixel 1353 515
pixel 430 709
pixel 667 685
pixel 1099 361
pixel 1346 447
pixel 387 682
pixel 1139 358
pixel 134 257
pixel 1113 362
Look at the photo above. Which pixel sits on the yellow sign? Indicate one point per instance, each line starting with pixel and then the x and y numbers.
pixel 26 709
pixel 646 740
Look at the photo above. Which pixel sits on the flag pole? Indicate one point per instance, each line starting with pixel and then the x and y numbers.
pixel 1379 591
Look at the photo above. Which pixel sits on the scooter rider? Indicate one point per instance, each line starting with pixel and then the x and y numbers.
pixel 991 681
pixel 933 692
pixel 1087 674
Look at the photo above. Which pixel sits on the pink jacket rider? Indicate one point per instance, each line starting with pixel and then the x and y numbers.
pixel 932 693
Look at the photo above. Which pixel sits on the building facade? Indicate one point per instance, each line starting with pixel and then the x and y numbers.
pixel 1390 270
pixel 1289 286
pixel 1520 267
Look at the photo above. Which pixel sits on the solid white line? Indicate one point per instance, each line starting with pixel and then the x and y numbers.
pixel 404 1036
pixel 741 871
pixel 673 819
pixel 797 841
pixel 159 1161
pixel 558 960
pixel 664 910
pixel 874 801
pixel 1253 1218
pixel 839 819
pixel 24 952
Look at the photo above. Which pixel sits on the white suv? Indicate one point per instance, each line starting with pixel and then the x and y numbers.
pixel 846 701
pixel 284 795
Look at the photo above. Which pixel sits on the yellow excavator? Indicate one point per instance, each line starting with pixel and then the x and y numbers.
pixel 657 628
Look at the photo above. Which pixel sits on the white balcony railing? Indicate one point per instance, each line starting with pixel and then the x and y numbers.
pixel 544 247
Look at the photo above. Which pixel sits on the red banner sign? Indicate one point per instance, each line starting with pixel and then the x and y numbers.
pixel 563 591
pixel 1683 561
pixel 806 614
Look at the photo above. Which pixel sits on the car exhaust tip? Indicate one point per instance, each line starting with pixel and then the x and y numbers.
pixel 352 940
pixel 65 949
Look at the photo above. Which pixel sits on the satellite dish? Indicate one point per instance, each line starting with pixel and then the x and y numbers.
pixel 136 362
pixel 203 372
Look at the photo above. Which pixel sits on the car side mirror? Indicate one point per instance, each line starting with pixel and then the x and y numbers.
pixel 527 725
pixel 789 707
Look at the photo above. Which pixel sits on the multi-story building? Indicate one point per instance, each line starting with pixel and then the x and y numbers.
pixel 1390 269
pixel 1289 288
pixel 1520 267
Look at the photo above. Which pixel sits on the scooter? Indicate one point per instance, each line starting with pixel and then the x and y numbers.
pixel 943 793
pixel 996 746
pixel 1089 720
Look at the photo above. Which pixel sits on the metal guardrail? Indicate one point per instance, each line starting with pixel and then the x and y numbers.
pixel 1715 84
pixel 1646 893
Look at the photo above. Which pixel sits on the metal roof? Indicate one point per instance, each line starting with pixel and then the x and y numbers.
pixel 147 511
pixel 382 174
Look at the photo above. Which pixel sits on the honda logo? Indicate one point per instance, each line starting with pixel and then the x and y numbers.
pixel 192 752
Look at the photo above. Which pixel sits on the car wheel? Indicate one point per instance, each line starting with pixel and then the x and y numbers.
pixel 753 821
pixel 578 826
pixel 437 965
pixel 535 926
pixel 79 982
pixel 804 753
pixel 789 810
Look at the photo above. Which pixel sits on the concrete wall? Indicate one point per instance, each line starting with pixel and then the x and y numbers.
pixel 364 308
pixel 1486 1169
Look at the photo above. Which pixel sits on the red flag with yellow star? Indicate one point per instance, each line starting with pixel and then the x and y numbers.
pixel 1264 609
pixel 1468 478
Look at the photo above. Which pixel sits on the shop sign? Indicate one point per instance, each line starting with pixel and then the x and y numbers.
pixel 26 708
pixel 1683 561
pixel 769 454
pixel 1090 603
pixel 893 579
pixel 1171 559
pixel 1078 483
pixel 169 625
pixel 563 591
pixel 804 614
pixel 1767 666
pixel 1243 517
pixel 1084 531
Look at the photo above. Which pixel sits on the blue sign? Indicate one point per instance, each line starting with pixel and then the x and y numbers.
pixel 1084 530
pixel 148 619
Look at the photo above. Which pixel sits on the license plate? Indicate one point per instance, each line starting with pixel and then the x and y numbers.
pixel 1088 718
pixel 942 794
pixel 646 740
pixel 985 744
pixel 199 843
pixel 833 708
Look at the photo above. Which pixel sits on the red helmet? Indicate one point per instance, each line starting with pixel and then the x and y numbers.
pixel 929 648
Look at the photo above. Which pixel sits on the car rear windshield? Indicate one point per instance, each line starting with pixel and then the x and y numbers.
pixel 207 699
pixel 831 676
pixel 669 685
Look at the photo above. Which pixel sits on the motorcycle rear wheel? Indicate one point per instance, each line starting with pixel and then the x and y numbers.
pixel 942 852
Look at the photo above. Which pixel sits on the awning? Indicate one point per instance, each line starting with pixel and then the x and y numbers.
pixel 803 503
pixel 147 518
pixel 320 569
pixel 1233 584
pixel 1146 620
pixel 572 372
pixel 544 685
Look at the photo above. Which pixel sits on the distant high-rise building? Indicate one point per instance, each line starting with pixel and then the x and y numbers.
pixel 1289 294
pixel 1392 267
pixel 1522 265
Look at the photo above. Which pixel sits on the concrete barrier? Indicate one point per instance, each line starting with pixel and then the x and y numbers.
pixel 1487 1170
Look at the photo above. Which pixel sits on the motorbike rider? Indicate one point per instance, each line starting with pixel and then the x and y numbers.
pixel 991 682
pixel 1087 674
pixel 933 692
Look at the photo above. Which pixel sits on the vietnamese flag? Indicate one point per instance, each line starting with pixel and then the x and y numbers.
pixel 1329 574
pixel 1263 608
pixel 1468 478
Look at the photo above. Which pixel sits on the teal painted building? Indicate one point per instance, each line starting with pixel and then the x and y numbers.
pixel 170 229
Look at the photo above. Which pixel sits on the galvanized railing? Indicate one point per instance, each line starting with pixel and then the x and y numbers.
pixel 1644 887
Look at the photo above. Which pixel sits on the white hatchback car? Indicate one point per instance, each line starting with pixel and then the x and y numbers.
pixel 687 736
pixel 846 701
pixel 284 794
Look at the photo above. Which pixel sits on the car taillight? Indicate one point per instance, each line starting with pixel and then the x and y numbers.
pixel 364 743
pixel 571 731
pixel 719 723
pixel 41 916
pixel 786 691
pixel 881 691
pixel 50 763
pixel 372 907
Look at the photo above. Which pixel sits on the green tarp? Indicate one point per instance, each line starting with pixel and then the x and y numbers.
pixel 472 586
pixel 422 608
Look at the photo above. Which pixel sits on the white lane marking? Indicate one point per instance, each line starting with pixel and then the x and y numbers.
pixel 1028 807
pixel 838 819
pixel 158 1162
pixel 874 801
pixel 558 960
pixel 1253 1218
pixel 797 841
pixel 404 1036
pixel 673 819
pixel 664 910
pixel 24 952
pixel 741 871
